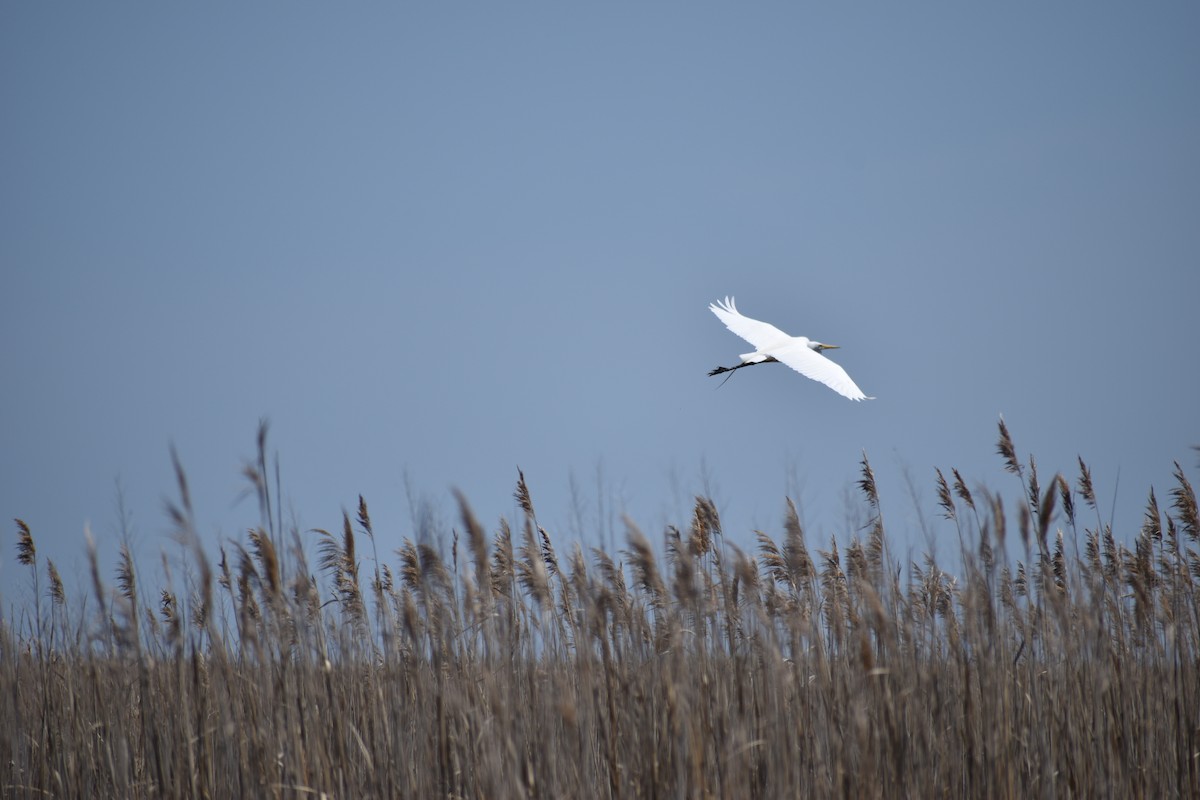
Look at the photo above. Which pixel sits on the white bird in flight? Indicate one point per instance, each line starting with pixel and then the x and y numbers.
pixel 798 352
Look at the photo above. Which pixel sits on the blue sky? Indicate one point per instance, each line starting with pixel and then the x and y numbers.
pixel 434 242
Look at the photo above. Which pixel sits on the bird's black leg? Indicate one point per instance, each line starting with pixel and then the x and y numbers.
pixel 730 370
pixel 719 370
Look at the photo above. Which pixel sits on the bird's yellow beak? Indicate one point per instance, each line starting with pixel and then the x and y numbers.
pixel 829 347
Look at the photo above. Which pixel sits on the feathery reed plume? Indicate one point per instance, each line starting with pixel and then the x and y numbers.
pixel 1066 499
pixel 522 494
pixel 579 574
pixel 503 566
pixel 185 495
pixel 1021 582
pixel 200 604
pixel 960 488
pixel 1007 451
pixel 548 555
pixel 329 554
pixel 337 559
pixel 411 574
pixel 673 545
pixel 568 609
pixel 745 569
pixel 645 568
pixel 986 555
pixel 1112 555
pixel 261 440
pixel 406 610
pixel 94 568
pixel 364 518
pixel 1045 511
pixel 706 524
pixel 1091 553
pixel 682 561
pixel 258 483
pixel 126 578
pixel 57 594
pixel 434 574
pixel 1059 564
pixel 1169 557
pixel 1035 490
pixel 1142 579
pixel 772 560
pixel 1152 521
pixel 999 520
pixel 1085 484
pixel 612 574
pixel 477 542
pixel 1023 524
pixel 875 542
pixel 1007 595
pixel 932 590
pixel 867 483
pixel 246 568
pixel 1183 501
pixel 349 559
pixel 224 580
pixel 531 569
pixel 27 556
pixel 833 582
pixel 945 500
pixel 26 550
pixel 247 607
pixel 856 561
pixel 168 609
pixel 268 561
pixel 532 572
pixel 800 568
pixel 364 522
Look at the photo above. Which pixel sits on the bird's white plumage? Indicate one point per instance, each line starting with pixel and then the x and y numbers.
pixel 812 364
pixel 759 334
pixel 795 351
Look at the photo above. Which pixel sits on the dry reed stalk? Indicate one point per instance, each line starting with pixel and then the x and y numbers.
pixel 762 676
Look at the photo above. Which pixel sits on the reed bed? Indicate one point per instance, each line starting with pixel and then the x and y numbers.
pixel 499 666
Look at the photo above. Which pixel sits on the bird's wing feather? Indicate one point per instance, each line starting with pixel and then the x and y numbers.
pixel 812 364
pixel 759 334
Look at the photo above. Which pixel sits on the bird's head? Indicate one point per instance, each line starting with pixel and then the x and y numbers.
pixel 819 346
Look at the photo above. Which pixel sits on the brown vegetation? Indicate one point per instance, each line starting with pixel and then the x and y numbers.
pixel 506 668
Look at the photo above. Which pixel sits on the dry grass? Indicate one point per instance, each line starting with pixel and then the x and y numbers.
pixel 511 670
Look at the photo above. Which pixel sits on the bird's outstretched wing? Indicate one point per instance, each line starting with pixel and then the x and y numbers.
pixel 759 334
pixel 812 364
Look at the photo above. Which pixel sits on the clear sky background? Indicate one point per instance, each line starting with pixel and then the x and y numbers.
pixel 433 242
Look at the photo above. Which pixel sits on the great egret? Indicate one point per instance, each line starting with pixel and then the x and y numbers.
pixel 798 352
